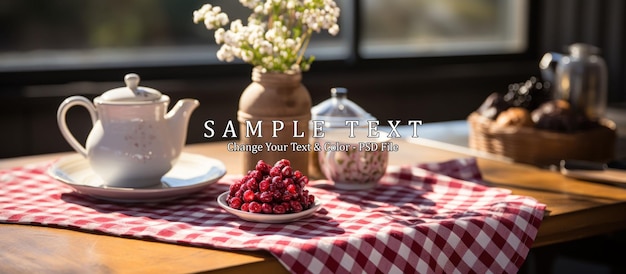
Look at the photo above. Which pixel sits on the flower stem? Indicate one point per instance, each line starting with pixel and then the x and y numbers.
pixel 305 44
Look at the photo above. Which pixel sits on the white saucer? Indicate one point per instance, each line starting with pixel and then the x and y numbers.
pixel 267 218
pixel 191 173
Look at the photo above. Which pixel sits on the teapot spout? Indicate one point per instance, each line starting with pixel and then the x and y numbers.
pixel 178 121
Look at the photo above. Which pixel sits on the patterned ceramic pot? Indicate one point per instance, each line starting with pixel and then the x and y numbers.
pixel 353 163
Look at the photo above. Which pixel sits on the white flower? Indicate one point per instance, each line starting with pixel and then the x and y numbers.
pixel 277 32
pixel 266 48
pixel 334 30
pixel 290 43
pixel 219 35
pixel 236 25
pixel 198 15
pixel 213 17
pixel 270 35
pixel 222 18
pixel 247 56
pixel 224 54
pixel 249 3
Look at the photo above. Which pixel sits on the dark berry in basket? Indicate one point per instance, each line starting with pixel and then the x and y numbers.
pixel 493 106
pixel 555 115
pixel 529 94
pixel 276 189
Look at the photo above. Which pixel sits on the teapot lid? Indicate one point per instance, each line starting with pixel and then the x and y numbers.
pixel 132 92
pixel 338 108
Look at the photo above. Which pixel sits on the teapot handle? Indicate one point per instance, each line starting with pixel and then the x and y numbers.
pixel 65 131
pixel 548 70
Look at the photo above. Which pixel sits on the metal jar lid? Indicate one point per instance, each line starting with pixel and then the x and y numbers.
pixel 338 109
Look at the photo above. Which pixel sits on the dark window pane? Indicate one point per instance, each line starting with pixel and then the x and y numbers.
pixel 39 35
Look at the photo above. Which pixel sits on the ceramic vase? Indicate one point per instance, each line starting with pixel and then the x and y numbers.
pixel 274 113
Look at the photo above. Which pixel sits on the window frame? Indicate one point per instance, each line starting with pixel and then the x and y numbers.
pixel 353 62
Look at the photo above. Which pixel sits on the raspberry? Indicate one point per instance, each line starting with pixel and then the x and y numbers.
pixel 244 206
pixel 291 188
pixel 257 175
pixel 248 196
pixel 296 206
pixel 252 184
pixel 287 171
pixel 235 202
pixel 277 195
pixel 298 174
pixel 278 209
pixel 286 205
pixel 234 188
pixel 275 171
pixel 276 189
pixel 304 180
pixel 282 163
pixel 266 197
pixel 304 200
pixel 239 193
pixel 287 182
pixel 278 182
pixel 266 208
pixel 287 196
pixel 264 185
pixel 262 167
pixel 254 207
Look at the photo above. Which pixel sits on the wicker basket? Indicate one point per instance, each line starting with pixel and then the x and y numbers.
pixel 541 147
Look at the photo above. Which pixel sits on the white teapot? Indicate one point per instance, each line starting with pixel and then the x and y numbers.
pixel 133 142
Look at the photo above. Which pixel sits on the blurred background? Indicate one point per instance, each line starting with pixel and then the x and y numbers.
pixel 434 60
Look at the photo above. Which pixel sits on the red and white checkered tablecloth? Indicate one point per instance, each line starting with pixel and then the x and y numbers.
pixel 417 220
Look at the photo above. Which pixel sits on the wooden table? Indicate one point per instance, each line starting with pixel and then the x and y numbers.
pixel 577 209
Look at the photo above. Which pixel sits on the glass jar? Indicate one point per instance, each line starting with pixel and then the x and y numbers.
pixel 334 112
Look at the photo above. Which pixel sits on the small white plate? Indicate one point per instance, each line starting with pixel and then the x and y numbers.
pixel 191 173
pixel 267 218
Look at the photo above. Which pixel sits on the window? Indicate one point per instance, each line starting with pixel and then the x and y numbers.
pixel 409 28
pixel 75 34
pixel 90 34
